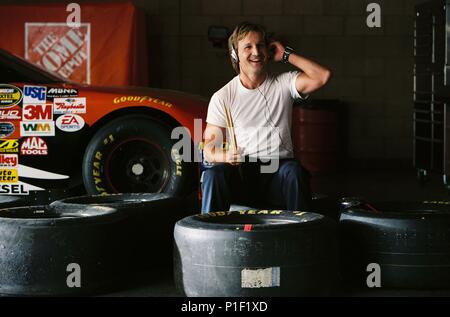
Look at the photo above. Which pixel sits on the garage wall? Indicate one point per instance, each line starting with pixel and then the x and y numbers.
pixel 372 67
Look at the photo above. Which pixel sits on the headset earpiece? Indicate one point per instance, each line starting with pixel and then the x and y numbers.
pixel 234 56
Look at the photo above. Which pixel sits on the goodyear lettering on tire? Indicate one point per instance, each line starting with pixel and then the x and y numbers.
pixel 178 161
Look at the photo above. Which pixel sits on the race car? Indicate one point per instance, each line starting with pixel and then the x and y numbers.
pixel 58 136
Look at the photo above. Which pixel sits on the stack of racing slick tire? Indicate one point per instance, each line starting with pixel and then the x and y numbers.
pixel 255 253
pixel 107 240
pixel 409 241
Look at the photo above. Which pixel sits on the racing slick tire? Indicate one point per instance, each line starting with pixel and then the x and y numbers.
pixel 410 241
pixel 255 253
pixel 41 250
pixel 133 154
pixel 147 229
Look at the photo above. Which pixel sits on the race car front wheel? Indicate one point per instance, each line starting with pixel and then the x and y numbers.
pixel 133 154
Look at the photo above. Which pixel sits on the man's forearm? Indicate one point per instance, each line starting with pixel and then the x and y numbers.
pixel 311 69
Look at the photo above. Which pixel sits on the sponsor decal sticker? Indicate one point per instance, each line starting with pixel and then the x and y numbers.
pixel 13 189
pixel 9 160
pixel 9 146
pixel 34 146
pixel 61 92
pixel 9 176
pixel 37 128
pixel 10 114
pixel 9 96
pixel 69 105
pixel 34 94
pixel 6 129
pixel 37 112
pixel 70 123
pixel 142 99
pixel 60 48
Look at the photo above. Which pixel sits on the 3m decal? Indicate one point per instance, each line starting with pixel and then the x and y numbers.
pixel 9 146
pixel 142 99
pixel 37 128
pixel 34 94
pixel 9 176
pixel 10 114
pixel 9 160
pixel 70 123
pixel 60 49
pixel 61 92
pixel 6 129
pixel 34 146
pixel 9 96
pixel 37 112
pixel 69 105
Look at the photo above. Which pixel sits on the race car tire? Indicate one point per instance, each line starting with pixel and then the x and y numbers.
pixel 410 241
pixel 255 253
pixel 41 250
pixel 134 154
pixel 147 229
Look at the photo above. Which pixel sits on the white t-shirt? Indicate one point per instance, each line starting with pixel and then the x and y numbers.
pixel 262 117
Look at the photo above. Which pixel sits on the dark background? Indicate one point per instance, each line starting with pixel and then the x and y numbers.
pixel 372 67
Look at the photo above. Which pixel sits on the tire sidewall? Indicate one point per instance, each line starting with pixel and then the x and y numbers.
pixel 107 138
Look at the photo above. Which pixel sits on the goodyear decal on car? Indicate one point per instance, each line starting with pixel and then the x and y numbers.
pixel 9 146
pixel 6 129
pixel 9 176
pixel 241 212
pixel 9 96
pixel 142 99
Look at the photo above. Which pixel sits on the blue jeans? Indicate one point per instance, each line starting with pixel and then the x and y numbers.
pixel 288 187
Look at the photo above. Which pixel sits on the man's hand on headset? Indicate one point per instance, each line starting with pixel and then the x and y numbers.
pixel 277 50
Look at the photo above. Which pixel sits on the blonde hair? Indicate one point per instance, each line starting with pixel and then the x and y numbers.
pixel 239 32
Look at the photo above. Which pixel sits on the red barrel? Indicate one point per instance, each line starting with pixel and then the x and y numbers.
pixel 316 136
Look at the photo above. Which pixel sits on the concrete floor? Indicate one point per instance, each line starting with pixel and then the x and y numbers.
pixel 374 185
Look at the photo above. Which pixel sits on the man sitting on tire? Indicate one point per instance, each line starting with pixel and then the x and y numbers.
pixel 256 107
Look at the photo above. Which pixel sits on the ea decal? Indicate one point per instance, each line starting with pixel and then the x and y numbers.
pixel 9 96
pixel 70 123
pixel 6 129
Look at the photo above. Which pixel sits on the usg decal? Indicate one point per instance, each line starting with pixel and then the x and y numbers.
pixel 70 123
pixel 9 96
pixel 34 94
pixel 34 146
pixel 37 128
pixel 69 105
pixel 9 146
pixel 6 129
pixel 9 160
